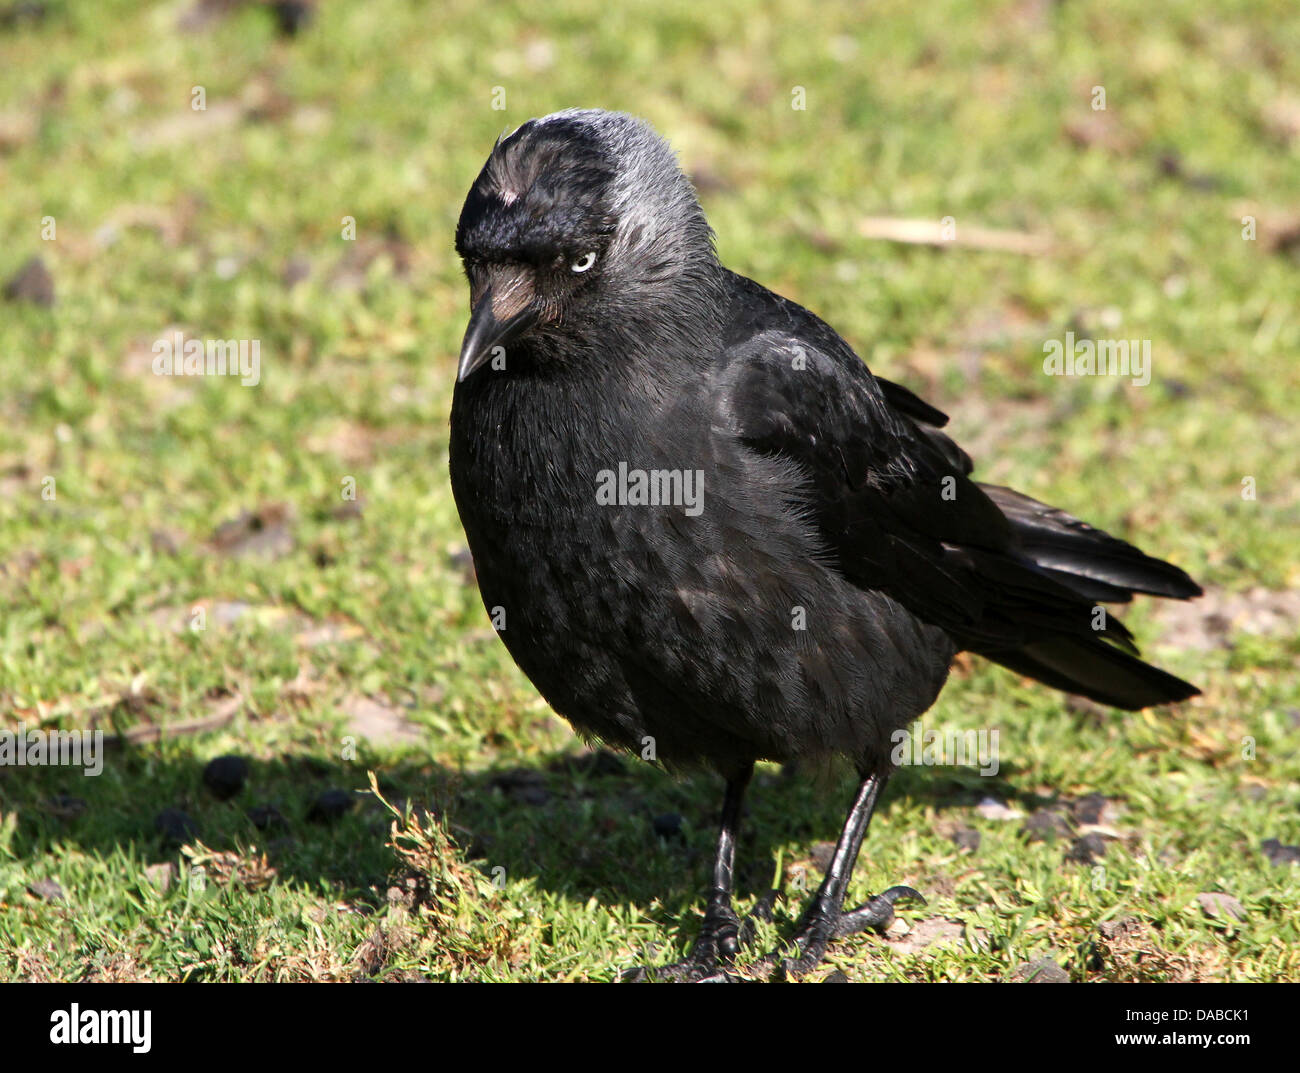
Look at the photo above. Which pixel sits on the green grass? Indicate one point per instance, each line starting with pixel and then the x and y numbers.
pixel 170 218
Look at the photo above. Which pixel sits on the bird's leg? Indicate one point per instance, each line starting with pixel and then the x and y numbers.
pixel 825 918
pixel 719 939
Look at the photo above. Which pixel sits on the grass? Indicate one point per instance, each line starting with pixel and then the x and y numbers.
pixel 513 854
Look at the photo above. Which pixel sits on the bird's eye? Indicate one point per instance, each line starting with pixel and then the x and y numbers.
pixel 584 262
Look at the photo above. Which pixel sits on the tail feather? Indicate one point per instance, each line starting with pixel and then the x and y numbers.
pixel 1094 669
pixel 1062 543
pixel 1072 557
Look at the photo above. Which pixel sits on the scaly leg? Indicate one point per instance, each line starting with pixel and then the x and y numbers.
pixel 719 939
pixel 825 918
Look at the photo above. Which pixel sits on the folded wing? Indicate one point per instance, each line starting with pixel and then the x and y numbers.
pixel 893 502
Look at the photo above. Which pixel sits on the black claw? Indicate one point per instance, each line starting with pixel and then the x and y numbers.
pixel 722 937
pixel 877 913
pixel 763 907
pixel 689 971
pixel 816 931
pixel 809 958
pixel 721 941
pixel 719 938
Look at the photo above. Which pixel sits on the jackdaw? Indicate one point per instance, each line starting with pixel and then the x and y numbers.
pixel 709 535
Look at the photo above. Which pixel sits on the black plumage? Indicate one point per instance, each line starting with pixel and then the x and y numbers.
pixel 837 555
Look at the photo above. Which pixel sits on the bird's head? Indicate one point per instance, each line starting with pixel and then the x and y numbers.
pixel 577 217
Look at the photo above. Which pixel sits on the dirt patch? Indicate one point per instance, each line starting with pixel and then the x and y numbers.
pixel 1213 620
pixel 380 722
pixel 913 938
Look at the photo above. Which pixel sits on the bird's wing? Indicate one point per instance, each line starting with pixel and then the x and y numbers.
pixel 895 509
pixel 890 497
pixel 927 420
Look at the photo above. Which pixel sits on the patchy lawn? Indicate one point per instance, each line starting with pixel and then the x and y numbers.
pixel 200 568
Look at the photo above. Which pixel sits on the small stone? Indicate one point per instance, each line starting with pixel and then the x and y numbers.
pixel 47 890
pixel 1276 852
pixel 1087 849
pixel 165 542
pixel 266 532
pixel 296 269
pixel 292 16
pixel 161 876
pixel 898 929
pixel 1088 810
pixel 1114 929
pixel 966 838
pixel 1046 826
pixel 524 785
pixel 836 977
pixel 331 805
pixel 175 826
pixel 993 809
pixel 1042 971
pixel 669 825
pixel 65 806
pixel 225 776
pixel 1219 906
pixel 31 283
pixel 266 817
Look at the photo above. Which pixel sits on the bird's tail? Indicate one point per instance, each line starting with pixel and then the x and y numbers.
pixel 1095 567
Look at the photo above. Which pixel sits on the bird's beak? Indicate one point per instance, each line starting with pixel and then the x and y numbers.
pixel 503 312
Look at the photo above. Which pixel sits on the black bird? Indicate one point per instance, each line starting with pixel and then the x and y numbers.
pixel 708 534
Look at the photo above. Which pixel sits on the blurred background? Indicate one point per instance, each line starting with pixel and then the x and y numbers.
pixel 274 571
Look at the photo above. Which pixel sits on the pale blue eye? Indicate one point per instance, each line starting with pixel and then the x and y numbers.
pixel 584 262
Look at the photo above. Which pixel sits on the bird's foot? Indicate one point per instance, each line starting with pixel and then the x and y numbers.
pixel 722 936
pixel 687 971
pixel 821 924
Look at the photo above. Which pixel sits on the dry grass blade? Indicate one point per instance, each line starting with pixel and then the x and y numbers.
pixel 935 233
